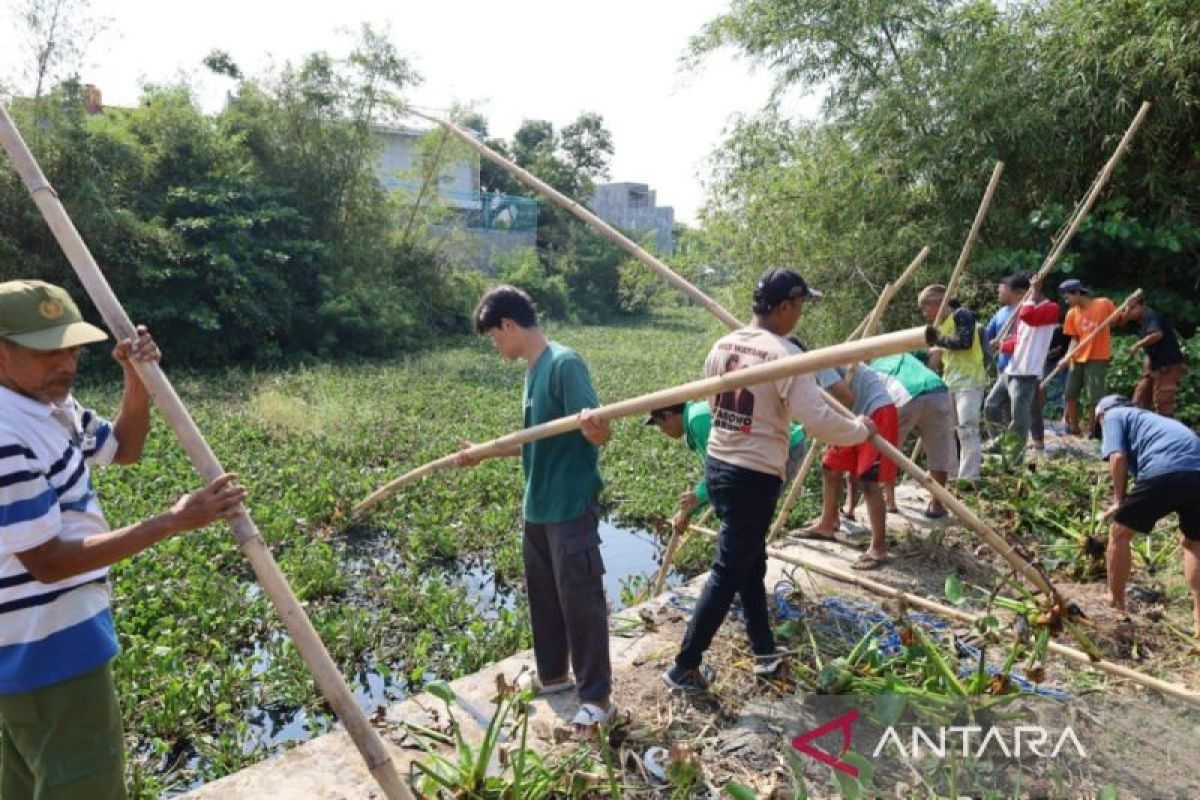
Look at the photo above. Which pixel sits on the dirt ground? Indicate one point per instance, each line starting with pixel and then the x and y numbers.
pixel 741 729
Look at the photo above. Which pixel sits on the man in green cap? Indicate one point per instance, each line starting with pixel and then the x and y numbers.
pixel 59 718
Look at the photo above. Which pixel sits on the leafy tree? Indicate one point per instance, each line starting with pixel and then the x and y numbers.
pixel 220 62
pixel 260 233
pixel 920 99
pixel 57 35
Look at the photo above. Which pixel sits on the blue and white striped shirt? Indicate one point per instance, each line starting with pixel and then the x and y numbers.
pixel 50 632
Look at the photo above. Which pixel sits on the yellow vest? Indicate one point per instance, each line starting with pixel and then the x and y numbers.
pixel 962 369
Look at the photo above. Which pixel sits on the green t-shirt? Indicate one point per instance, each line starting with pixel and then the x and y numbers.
pixel 697 425
pixel 914 376
pixel 561 476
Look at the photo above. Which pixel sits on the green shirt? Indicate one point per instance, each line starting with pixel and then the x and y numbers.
pixel 561 476
pixel 914 376
pixel 697 425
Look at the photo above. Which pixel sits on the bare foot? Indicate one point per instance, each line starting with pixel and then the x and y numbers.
pixel 816 531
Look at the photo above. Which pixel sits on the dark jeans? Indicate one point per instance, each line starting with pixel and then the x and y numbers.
pixel 567 608
pixel 744 500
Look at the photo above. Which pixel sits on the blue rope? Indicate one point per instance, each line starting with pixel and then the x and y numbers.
pixel 848 620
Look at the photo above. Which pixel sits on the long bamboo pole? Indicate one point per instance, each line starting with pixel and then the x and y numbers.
pixel 801 363
pixel 673 545
pixel 972 236
pixel 865 328
pixel 960 510
pixel 964 256
pixel 308 643
pixel 1085 341
pixel 916 601
pixel 590 219
pixel 793 493
pixel 989 536
pixel 664 569
pixel 1085 207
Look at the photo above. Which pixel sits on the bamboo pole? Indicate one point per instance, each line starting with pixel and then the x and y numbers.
pixel 676 541
pixel 1085 207
pixel 873 321
pixel 794 490
pixel 590 219
pixel 964 256
pixel 812 361
pixel 1071 654
pixel 865 328
pixel 960 510
pixel 731 321
pixel 972 236
pixel 969 245
pixel 1085 341
pixel 251 543
pixel 660 577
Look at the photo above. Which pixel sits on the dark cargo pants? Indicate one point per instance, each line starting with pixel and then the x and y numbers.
pixel 567 608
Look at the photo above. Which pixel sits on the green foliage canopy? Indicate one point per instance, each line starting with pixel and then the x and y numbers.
pixel 920 99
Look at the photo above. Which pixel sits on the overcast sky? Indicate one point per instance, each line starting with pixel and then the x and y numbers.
pixel 547 59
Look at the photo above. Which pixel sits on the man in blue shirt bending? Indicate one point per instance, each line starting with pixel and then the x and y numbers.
pixel 1163 456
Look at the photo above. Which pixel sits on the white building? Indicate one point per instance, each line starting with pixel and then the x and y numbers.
pixel 479 228
pixel 399 168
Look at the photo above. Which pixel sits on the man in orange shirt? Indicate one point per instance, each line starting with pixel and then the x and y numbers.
pixel 1089 365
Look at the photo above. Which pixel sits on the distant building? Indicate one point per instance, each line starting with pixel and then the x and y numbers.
pixel 482 225
pixel 398 168
pixel 632 206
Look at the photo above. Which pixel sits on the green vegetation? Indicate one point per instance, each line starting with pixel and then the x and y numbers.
pixel 1125 370
pixel 263 233
pixel 203 657
pixel 920 99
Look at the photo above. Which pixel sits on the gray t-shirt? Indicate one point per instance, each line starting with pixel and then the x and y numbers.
pixel 869 387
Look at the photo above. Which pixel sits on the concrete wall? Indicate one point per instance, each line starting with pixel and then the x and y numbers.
pixel 634 207
pixel 480 247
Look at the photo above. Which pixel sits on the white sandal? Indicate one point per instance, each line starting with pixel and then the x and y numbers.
pixel 590 715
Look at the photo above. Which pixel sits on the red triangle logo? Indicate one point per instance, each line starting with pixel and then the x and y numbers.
pixel 844 723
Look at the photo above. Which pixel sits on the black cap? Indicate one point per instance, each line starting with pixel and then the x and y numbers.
pixel 777 284
pixel 1072 286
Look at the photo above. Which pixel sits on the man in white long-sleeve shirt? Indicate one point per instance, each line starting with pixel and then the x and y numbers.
pixel 747 459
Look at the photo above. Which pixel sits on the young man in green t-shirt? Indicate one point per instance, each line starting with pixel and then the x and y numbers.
pixel 692 422
pixel 561 547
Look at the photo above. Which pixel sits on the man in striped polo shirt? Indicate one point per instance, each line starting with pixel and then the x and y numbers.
pixel 59 718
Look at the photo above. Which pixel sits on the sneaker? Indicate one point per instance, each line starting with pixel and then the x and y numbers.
pixel 689 680
pixel 766 665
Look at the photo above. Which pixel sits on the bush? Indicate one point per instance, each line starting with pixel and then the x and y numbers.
pixel 1126 370
pixel 257 235
pixel 524 269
